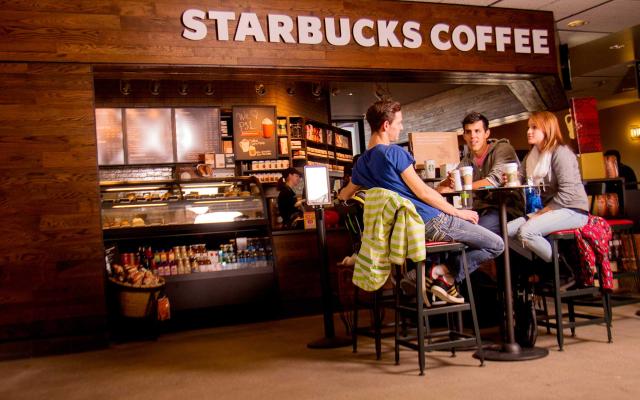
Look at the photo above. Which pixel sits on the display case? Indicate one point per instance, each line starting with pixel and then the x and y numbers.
pixel 209 238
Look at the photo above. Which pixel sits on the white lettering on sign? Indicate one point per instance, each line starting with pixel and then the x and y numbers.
pixel 195 29
pixel 309 31
pixel 280 27
pixel 222 19
pixel 358 32
pixel 386 35
pixel 412 37
pixel 365 32
pixel 539 37
pixel 332 36
pixel 249 25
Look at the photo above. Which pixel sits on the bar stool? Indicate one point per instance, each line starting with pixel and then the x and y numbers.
pixel 451 338
pixel 378 301
pixel 619 227
pixel 570 296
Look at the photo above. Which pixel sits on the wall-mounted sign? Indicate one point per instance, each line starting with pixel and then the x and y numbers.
pixel 439 146
pixel 197 132
pixel 254 132
pixel 365 32
pixel 149 135
pixel 110 136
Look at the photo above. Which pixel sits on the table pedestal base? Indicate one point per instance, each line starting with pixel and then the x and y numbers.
pixel 513 353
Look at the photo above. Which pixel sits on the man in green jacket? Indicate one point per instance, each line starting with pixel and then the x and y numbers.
pixel 487 157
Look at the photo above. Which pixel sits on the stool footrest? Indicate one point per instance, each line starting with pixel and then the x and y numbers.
pixel 463 342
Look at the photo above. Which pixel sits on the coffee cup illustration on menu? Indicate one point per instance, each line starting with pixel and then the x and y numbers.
pixel 267 128
pixel 244 145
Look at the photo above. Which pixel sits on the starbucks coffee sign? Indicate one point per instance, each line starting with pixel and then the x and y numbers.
pixel 225 26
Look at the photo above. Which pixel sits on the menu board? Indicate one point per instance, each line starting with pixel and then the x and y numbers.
pixel 254 132
pixel 149 135
pixel 439 146
pixel 197 132
pixel 109 136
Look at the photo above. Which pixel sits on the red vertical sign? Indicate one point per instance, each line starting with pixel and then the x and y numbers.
pixel 585 120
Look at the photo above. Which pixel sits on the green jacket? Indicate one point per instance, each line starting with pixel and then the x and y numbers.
pixel 393 232
pixel 500 152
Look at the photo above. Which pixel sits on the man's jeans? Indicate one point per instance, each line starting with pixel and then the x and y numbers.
pixel 529 236
pixel 482 244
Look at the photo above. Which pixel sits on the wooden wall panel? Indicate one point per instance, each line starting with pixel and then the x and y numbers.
pixel 51 254
pixel 147 31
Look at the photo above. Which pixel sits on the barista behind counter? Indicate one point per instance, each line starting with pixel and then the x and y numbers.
pixel 289 205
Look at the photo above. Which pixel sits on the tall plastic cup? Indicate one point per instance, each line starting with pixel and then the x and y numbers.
pixel 466 174
pixel 511 170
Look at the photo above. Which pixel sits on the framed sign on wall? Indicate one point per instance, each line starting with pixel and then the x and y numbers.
pixel 254 132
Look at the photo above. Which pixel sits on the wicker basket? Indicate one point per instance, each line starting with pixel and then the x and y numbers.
pixel 136 301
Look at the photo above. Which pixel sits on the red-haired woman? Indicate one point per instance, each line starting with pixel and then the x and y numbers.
pixel 552 163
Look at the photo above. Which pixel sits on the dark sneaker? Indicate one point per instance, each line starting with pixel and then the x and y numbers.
pixel 446 292
pixel 408 286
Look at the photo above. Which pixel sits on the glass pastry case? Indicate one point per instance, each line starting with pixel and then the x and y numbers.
pixel 208 238
pixel 181 204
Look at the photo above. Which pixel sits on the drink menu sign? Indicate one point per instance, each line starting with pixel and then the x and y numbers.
pixel 197 132
pixel 149 135
pixel 254 132
pixel 110 136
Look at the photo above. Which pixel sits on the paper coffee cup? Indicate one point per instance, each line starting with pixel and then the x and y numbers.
pixel 511 171
pixel 430 168
pixel 444 170
pixel 466 174
pixel 457 182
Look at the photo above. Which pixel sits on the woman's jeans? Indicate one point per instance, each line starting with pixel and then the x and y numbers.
pixel 482 244
pixel 527 236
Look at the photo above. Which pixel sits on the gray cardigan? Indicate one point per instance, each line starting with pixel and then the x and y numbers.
pixel 563 185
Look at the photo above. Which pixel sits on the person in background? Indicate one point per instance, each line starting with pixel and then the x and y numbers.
pixel 624 171
pixel 487 158
pixel 289 206
pixel 389 166
pixel 553 164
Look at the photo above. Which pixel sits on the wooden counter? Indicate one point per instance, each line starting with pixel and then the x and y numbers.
pixel 298 269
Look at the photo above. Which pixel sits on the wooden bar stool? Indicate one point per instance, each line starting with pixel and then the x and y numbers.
pixel 571 297
pixel 453 337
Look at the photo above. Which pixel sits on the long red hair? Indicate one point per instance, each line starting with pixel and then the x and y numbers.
pixel 548 124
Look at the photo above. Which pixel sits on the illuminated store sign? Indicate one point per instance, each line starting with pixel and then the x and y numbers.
pixel 365 32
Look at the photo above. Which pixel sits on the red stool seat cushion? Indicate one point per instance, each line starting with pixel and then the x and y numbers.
pixel 429 244
pixel 563 232
pixel 617 222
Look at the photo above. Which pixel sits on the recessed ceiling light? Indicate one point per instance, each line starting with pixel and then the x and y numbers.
pixel 576 23
pixel 616 46
pixel 350 94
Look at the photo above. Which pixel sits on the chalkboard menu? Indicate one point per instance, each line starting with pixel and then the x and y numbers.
pixel 254 132
pixel 149 135
pixel 109 136
pixel 197 132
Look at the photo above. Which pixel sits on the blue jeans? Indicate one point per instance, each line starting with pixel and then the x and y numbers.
pixel 527 237
pixel 482 244
pixel 490 219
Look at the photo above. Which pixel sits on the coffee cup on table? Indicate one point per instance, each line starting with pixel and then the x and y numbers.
pixel 466 174
pixel 457 182
pixel 511 171
pixel 430 168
